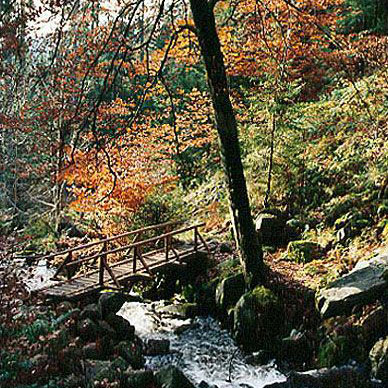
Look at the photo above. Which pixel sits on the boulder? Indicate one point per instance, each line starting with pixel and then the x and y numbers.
pixel 303 252
pixel 105 329
pixel 363 285
pixel 375 324
pixel 378 357
pixel 124 330
pixel 140 378
pixel 110 302
pixel 254 317
pixel 172 377
pixel 271 228
pixel 181 310
pixel 155 347
pixel 90 311
pixel 229 291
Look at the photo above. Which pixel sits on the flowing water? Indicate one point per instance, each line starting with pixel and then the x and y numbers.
pixel 203 351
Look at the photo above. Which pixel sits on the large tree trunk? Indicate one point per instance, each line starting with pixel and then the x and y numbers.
pixel 250 250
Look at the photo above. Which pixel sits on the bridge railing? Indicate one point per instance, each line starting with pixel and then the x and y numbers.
pixel 67 263
pixel 133 252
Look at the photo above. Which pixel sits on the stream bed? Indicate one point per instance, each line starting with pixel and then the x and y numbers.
pixel 202 350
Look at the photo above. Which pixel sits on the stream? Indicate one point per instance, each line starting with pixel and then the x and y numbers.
pixel 202 350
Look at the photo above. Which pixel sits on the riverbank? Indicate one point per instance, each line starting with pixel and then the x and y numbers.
pixel 282 339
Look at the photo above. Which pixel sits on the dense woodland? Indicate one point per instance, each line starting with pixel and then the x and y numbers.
pixel 243 114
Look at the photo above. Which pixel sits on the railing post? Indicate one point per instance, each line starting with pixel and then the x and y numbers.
pixel 134 259
pixel 196 240
pixel 102 265
pixel 166 246
pixel 60 268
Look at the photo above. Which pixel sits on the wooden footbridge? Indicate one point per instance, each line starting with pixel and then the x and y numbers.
pixel 113 263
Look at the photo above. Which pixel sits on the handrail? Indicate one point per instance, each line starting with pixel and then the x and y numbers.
pixel 138 243
pixel 91 244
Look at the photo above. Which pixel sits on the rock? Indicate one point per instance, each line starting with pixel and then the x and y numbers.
pixel 379 360
pixel 91 351
pixel 260 357
pixel 375 325
pixel 363 285
pixel 341 342
pixel 140 379
pixel 343 377
pixel 204 384
pixel 229 291
pixel 295 348
pixel 87 329
pixel 110 302
pixel 301 251
pixel 185 326
pixel 106 345
pixel 154 347
pixel 172 377
pixel 124 330
pixel 271 228
pixel 254 317
pixel 132 352
pixel 182 310
pixel 226 247
pixel 105 329
pixel 91 311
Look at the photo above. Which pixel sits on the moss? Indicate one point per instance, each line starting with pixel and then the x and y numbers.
pixel 253 318
pixel 228 268
pixel 303 251
pixel 263 296
pixel 339 349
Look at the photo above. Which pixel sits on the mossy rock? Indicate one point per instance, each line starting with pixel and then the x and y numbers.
pixel 91 311
pixel 379 359
pixel 302 251
pixel 229 291
pixel 229 267
pixel 110 302
pixel 132 352
pixel 339 350
pixel 254 315
pixel 140 379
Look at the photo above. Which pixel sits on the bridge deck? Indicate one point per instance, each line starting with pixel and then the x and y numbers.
pixel 123 271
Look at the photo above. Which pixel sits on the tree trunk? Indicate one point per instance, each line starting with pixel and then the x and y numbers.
pixel 244 231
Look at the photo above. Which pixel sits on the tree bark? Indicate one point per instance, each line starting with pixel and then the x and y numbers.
pixel 251 256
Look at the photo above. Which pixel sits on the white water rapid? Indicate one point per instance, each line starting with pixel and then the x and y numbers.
pixel 203 351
